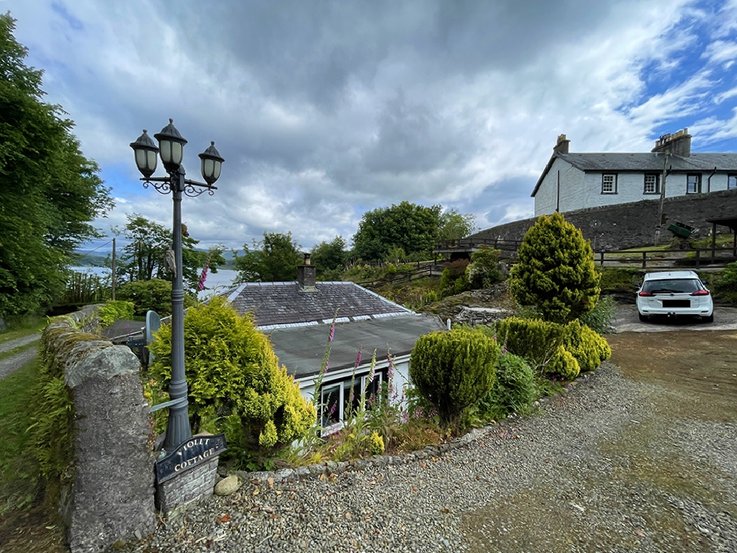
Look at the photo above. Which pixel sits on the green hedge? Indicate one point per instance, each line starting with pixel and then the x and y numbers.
pixel 453 370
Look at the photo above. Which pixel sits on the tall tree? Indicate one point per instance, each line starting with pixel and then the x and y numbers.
pixel 455 225
pixel 49 192
pixel 145 255
pixel 328 257
pixel 273 259
pixel 411 227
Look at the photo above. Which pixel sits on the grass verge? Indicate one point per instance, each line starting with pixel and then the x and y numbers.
pixel 24 525
pixel 23 327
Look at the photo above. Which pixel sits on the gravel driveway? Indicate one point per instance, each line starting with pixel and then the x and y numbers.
pixel 623 461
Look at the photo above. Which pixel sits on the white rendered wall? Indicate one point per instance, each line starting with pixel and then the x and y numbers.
pixel 579 190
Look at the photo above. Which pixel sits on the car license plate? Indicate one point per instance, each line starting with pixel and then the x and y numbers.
pixel 676 303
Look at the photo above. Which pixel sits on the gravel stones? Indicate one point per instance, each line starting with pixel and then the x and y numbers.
pixel 596 469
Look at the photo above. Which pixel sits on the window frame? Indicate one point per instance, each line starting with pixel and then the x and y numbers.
pixel 613 183
pixel 698 183
pixel 343 386
pixel 657 183
pixel 733 178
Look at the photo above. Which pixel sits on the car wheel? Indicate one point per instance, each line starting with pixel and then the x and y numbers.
pixel 643 318
pixel 709 319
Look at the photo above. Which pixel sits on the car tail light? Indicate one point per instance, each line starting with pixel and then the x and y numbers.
pixel 643 293
pixel 700 293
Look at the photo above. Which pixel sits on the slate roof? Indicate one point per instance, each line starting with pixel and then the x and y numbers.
pixel 301 349
pixel 285 303
pixel 641 162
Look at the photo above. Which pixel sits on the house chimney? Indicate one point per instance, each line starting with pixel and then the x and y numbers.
pixel 561 147
pixel 678 144
pixel 306 275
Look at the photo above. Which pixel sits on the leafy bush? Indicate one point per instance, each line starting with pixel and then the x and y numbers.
pixel 113 311
pixel 453 278
pixel 514 390
pixel 601 317
pixel 555 271
pixel 454 370
pixel 235 382
pixel 484 269
pixel 147 294
pixel 725 284
pixel 619 281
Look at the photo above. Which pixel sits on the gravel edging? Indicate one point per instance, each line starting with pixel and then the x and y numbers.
pixel 583 474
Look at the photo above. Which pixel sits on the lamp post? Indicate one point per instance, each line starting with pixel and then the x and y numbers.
pixel 171 150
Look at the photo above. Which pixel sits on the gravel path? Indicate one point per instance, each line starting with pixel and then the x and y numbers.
pixel 605 467
pixel 16 361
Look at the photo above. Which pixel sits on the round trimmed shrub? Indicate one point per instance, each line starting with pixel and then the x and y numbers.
pixel 586 345
pixel 236 384
pixel 453 370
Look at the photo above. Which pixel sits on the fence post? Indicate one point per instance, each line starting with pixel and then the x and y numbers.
pixel 698 257
pixel 601 257
pixel 644 260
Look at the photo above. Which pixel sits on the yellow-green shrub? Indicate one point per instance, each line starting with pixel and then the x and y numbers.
pixel 562 365
pixel 534 339
pixel 113 311
pixel 236 384
pixel 560 351
pixel 454 370
pixel 587 346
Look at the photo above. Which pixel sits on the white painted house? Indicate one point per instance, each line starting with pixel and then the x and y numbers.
pixel 573 181
pixel 297 317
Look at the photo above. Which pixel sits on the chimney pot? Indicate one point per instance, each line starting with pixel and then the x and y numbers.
pixel 562 144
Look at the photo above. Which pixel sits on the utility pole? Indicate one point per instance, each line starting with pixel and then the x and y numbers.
pixel 112 266
pixel 659 225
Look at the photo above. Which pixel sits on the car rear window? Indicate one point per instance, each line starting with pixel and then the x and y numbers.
pixel 682 285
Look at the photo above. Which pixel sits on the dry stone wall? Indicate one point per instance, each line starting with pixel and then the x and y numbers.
pixel 112 494
pixel 633 224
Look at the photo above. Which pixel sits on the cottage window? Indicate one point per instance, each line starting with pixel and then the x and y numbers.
pixel 731 182
pixel 693 184
pixel 330 406
pixel 652 183
pixel 609 183
pixel 352 402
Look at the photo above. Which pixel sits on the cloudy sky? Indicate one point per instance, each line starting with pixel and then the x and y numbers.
pixel 326 109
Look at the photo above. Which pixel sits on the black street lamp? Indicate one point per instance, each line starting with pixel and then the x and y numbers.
pixel 171 150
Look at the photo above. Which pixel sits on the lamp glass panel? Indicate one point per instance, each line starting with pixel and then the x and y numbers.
pixel 151 160
pixel 207 168
pixel 218 166
pixel 177 152
pixel 141 159
pixel 165 151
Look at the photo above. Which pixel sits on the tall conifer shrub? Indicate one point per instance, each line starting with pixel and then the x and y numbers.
pixel 555 272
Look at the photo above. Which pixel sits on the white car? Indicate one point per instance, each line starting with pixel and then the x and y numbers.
pixel 674 293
